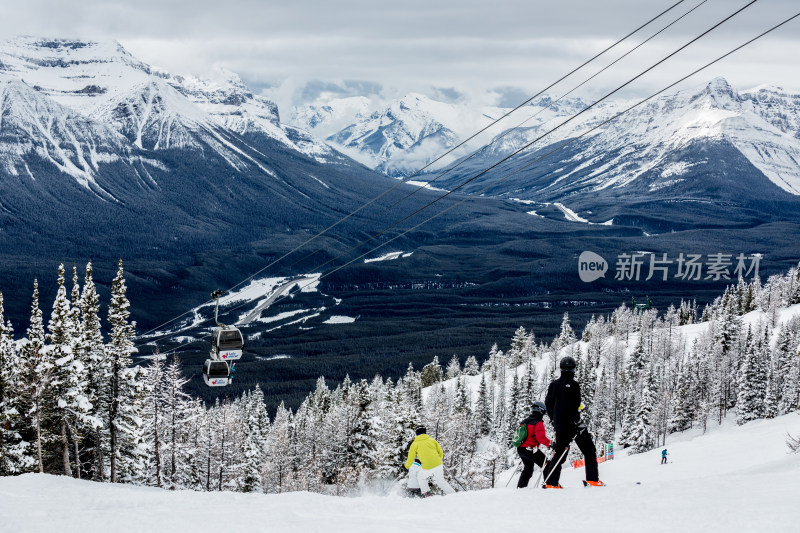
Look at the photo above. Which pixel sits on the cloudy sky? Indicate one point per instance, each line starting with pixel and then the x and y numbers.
pixel 481 52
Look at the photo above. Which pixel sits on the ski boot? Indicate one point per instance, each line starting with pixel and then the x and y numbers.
pixel 597 483
pixel 427 494
pixel 552 487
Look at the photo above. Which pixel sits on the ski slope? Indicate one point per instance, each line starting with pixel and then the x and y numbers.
pixel 731 479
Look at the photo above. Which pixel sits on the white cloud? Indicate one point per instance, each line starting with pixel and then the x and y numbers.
pixel 513 47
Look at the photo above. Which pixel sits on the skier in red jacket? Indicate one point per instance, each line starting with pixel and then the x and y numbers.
pixel 529 450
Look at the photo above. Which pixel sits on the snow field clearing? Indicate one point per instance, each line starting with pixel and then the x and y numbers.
pixel 340 319
pixel 734 478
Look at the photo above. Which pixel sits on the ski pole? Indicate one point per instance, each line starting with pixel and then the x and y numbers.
pixel 516 468
pixel 555 466
pixel 541 469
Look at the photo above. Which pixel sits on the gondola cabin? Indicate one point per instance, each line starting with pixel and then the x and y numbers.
pixel 216 373
pixel 227 344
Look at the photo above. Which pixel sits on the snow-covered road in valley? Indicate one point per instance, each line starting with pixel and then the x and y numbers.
pixel 733 479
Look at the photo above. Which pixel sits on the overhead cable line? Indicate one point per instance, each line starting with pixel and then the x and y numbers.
pixel 556 149
pixel 563 145
pixel 529 144
pixel 404 180
pixel 508 131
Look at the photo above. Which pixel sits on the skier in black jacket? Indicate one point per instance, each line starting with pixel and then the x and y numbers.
pixel 563 402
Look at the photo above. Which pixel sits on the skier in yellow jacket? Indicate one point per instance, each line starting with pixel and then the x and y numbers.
pixel 430 454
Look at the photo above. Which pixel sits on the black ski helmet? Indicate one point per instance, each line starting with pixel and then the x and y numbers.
pixel 568 364
pixel 538 408
pixel 421 430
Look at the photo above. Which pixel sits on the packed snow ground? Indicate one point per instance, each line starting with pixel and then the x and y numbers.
pixel 731 479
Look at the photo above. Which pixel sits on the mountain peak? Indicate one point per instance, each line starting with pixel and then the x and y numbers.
pixel 32 51
pixel 720 86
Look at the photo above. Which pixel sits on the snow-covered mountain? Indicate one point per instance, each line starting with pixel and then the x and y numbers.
pixel 398 138
pixel 706 143
pixel 736 153
pixel 104 156
pixel 130 108
pixel 762 124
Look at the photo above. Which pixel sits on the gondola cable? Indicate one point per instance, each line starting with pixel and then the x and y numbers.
pixel 405 180
pixel 516 152
pixel 558 148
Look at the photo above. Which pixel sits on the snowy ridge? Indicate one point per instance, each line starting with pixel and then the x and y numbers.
pixel 761 123
pixel 396 139
pixel 645 138
pixel 71 142
pixel 80 104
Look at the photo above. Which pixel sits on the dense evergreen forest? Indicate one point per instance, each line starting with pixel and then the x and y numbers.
pixel 72 402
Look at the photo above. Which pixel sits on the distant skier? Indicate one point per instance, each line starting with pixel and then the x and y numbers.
pixel 664 456
pixel 529 449
pixel 430 456
pixel 563 402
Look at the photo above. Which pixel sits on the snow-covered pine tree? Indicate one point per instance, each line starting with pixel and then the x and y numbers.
pixel 177 410
pixel 752 382
pixel 518 353
pixel 642 437
pixel 249 478
pixel 471 366
pixel 259 419
pixel 412 387
pixel 501 422
pixel 453 368
pixel 567 335
pixel 772 398
pixel 363 430
pixel 35 374
pixel 460 436
pixel 784 357
pixel 435 410
pixel 13 456
pixel 483 406
pixel 124 395
pixel 91 352
pixel 431 373
pixel 154 420
pixel 85 418
pixel 529 387
pixel 602 410
pixel 517 406
pixel 684 402
pixel 68 403
pixel 398 431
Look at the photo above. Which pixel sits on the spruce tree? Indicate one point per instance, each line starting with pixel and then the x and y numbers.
pixel 483 407
pixel 567 335
pixel 35 375
pixel 13 448
pixel 642 437
pixel 453 368
pixel 683 402
pixel 471 366
pixel 752 383
pixel 68 403
pixel 97 367
pixel 519 350
pixel 431 373
pixel 122 390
